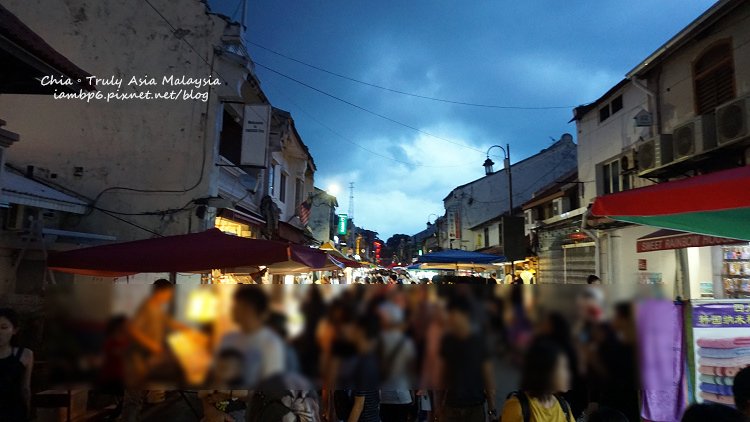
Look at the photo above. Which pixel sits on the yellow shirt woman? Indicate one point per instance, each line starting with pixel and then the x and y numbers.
pixel 555 413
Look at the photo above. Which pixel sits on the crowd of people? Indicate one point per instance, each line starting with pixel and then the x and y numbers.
pixel 391 353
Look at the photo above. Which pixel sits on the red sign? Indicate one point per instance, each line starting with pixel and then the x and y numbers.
pixel 681 241
pixel 642 265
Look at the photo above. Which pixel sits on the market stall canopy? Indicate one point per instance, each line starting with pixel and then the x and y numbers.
pixel 454 259
pixel 343 262
pixel 455 256
pixel 454 267
pixel 338 258
pixel 195 252
pixel 715 204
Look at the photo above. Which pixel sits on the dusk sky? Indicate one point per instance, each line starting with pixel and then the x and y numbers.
pixel 517 54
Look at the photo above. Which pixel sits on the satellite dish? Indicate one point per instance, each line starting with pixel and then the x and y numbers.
pixel 249 182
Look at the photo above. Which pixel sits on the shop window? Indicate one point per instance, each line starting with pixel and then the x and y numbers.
pixel 616 104
pixel 613 179
pixel 713 78
pixel 610 108
pixel 272 180
pixel 282 187
pixel 230 139
pixel 230 226
pixel 604 113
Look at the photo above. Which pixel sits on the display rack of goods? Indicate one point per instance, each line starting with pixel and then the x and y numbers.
pixel 736 271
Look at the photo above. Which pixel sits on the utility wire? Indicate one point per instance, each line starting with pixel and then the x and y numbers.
pixel 132 223
pixel 410 94
pixel 374 113
pixel 349 140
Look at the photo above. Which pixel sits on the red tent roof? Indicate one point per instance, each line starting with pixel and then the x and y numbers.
pixel 723 190
pixel 193 252
pixel 714 204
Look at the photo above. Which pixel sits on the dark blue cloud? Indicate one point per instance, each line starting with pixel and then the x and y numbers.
pixel 537 53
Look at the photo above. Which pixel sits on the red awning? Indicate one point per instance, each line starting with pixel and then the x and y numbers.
pixel 714 204
pixel 195 252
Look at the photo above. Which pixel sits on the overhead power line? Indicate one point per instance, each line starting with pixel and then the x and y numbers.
pixel 358 145
pixel 409 94
pixel 366 110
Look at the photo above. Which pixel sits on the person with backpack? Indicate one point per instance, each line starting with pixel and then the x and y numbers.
pixel 397 354
pixel 545 374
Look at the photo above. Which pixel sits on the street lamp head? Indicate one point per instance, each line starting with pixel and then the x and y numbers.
pixel 488 163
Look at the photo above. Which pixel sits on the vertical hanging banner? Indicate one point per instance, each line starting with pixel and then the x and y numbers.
pixel 454 225
pixel 662 360
pixel 255 130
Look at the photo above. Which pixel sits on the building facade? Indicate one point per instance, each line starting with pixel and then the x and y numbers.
pixel 473 211
pixel 680 113
pixel 322 221
pixel 223 157
pixel 552 223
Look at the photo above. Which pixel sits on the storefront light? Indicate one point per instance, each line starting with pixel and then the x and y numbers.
pixel 202 306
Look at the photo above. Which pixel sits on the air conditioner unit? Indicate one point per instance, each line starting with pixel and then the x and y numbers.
pixel 560 205
pixel 654 153
pixel 732 121
pixel 15 219
pixel 694 137
pixel 628 162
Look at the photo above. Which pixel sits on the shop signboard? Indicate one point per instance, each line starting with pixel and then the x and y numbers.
pixel 255 131
pixel 720 347
pixel 454 225
pixel 341 226
pixel 686 240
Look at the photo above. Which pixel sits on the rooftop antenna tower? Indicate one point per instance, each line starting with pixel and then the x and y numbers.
pixel 352 234
pixel 351 200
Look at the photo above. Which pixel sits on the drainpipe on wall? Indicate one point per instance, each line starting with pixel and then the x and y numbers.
pixel 594 235
pixel 613 259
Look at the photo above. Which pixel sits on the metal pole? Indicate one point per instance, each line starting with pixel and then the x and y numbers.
pixel 510 182
pixel 243 20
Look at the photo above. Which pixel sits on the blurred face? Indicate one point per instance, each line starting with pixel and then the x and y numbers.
pixel 163 297
pixel 7 330
pixel 561 375
pixel 242 314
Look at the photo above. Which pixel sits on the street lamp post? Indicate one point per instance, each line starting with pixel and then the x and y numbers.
pixel 437 229
pixel 488 163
